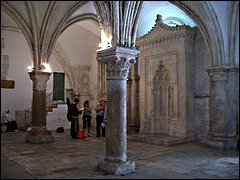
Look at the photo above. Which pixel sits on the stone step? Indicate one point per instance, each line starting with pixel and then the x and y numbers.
pixel 158 139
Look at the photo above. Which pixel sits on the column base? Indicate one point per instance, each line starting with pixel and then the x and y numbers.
pixel 119 168
pixel 221 142
pixel 39 135
pixel 132 129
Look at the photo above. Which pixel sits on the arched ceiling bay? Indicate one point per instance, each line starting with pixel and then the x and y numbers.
pixel 80 42
pixel 170 13
pixel 88 8
pixel 93 27
pixel 6 21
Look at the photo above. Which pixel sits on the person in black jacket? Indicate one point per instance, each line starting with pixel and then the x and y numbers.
pixel 72 116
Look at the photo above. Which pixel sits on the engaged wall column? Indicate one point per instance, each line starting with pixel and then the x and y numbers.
pixel 223 107
pixel 118 60
pixel 39 132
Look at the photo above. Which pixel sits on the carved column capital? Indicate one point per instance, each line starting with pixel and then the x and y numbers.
pixel 218 74
pixel 39 79
pixel 118 60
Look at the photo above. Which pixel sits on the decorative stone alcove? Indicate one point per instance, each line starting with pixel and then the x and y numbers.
pixel 166 68
pixel 162 95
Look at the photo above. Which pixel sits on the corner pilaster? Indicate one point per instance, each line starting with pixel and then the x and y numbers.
pixel 224 108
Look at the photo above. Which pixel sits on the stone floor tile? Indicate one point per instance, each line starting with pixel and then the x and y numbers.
pixel 66 158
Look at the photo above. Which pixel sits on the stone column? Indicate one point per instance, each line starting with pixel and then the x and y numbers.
pixel 39 133
pixel 223 107
pixel 118 60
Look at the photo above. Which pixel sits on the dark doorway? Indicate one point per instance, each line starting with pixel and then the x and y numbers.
pixel 58 86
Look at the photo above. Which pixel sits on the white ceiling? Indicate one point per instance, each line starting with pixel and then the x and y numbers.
pixel 88 8
pixel 165 9
pixel 147 17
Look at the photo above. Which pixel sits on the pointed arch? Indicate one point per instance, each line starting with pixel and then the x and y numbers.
pixel 119 19
pixel 233 29
pixel 31 11
pixel 21 21
pixel 104 17
pixel 45 32
pixel 89 16
pixel 61 25
pixel 62 59
pixel 204 15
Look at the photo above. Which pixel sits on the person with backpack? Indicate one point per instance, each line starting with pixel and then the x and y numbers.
pixel 72 117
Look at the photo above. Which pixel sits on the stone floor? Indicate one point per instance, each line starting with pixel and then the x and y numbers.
pixel 68 158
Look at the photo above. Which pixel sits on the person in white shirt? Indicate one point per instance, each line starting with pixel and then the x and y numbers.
pixel 100 110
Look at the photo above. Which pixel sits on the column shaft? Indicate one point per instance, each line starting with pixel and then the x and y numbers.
pixel 116 126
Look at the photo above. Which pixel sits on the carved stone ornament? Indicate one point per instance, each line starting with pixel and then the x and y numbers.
pixel 168 34
pixel 118 60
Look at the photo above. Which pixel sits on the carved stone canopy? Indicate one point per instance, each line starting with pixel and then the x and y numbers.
pixel 162 33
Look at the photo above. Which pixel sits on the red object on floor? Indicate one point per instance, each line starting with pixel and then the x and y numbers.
pixel 81 134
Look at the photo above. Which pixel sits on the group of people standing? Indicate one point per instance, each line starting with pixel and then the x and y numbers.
pixel 74 111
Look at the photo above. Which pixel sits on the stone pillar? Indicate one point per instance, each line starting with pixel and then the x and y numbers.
pixel 223 107
pixel 39 133
pixel 118 60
